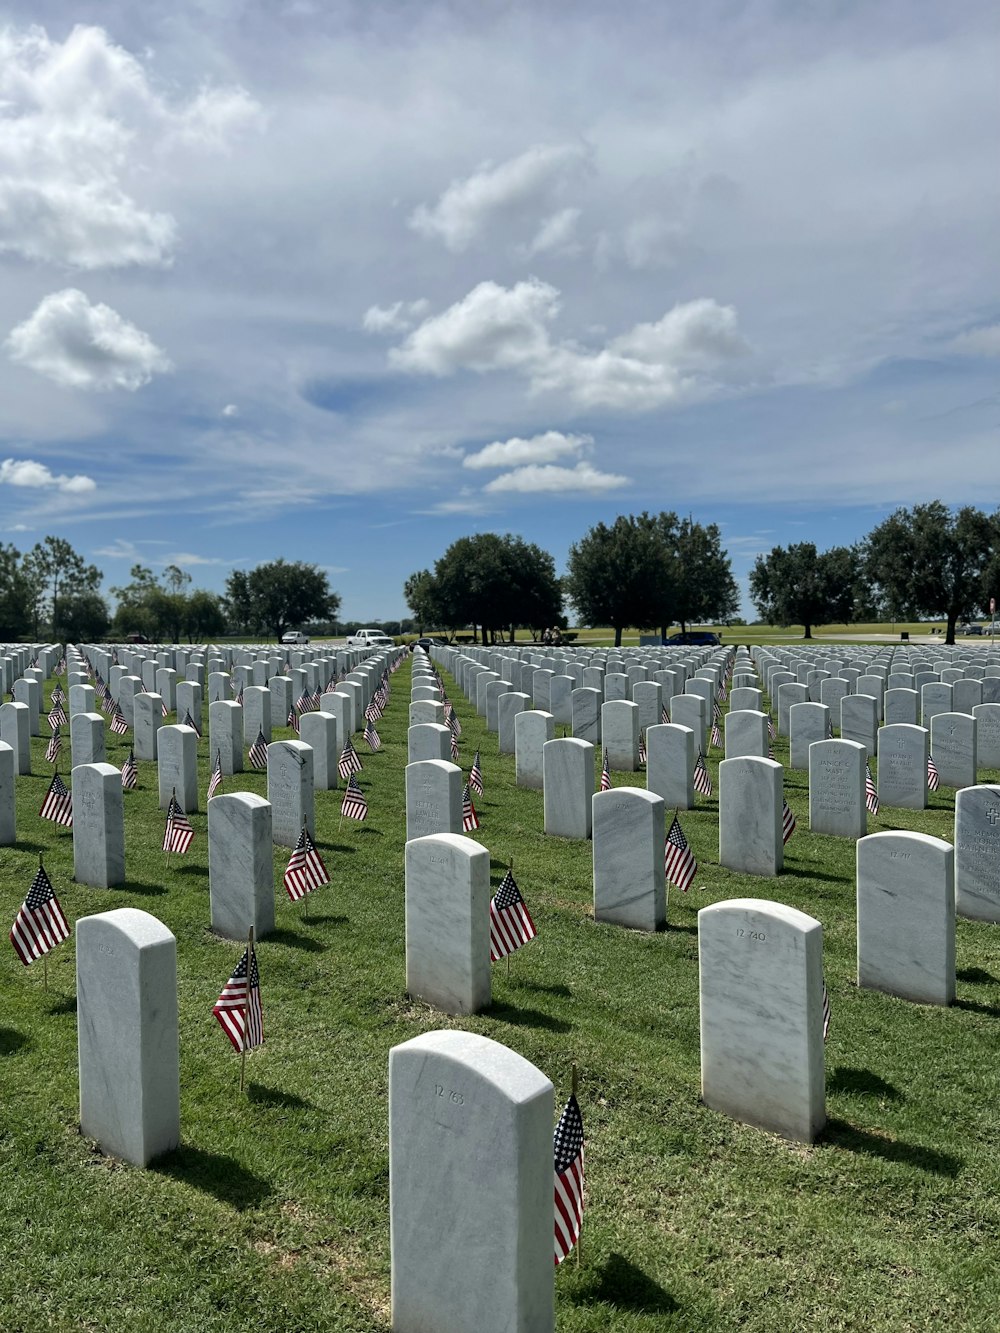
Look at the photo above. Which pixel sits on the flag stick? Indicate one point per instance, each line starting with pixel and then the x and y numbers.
pixel 574 1087
pixel 246 1010
pixel 45 971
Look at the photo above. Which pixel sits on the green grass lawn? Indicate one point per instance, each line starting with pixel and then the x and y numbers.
pixel 273 1215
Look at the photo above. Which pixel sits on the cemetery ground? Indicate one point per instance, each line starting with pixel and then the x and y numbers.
pixel 273 1214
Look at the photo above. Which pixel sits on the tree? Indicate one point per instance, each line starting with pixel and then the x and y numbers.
pixel 54 568
pixel 420 594
pixel 930 561
pixel 279 595
pixel 796 585
pixel 15 596
pixel 492 581
pixel 622 575
pixel 706 590
pixel 84 617
pixel 204 617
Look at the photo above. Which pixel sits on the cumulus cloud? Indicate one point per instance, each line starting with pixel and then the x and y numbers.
pixel 582 478
pixel 84 346
pixel 979 342
pixel 492 328
pixel 556 235
pixel 36 476
pixel 395 318
pixel 689 354
pixel 538 449
pixel 467 207
pixel 78 120
pixel 230 410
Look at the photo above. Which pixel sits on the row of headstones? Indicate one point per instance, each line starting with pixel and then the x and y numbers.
pixel 461 1105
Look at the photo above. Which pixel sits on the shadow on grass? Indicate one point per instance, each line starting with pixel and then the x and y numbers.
pixel 843 1134
pixel 293 939
pixel 323 919
pixel 974 1007
pixel 621 1285
pixel 200 871
pixel 976 976
pixel 23 845
pixel 261 1096
pixel 673 929
pixel 337 847
pixel 65 1005
pixel 547 988
pixel 12 1041
pixel 215 1174
pixel 862 1081
pixel 810 874
pixel 148 890
pixel 528 1018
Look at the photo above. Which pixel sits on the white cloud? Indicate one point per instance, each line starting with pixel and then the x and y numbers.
pixel 979 342
pixel 84 346
pixel 26 472
pixel 395 318
pixel 230 410
pixel 687 355
pixel 467 206
pixel 492 328
pixel 582 478
pixel 79 121
pixel 538 449
pixel 556 235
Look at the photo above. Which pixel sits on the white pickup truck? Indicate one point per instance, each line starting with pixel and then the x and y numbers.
pixel 369 638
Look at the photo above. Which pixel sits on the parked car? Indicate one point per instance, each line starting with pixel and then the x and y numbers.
pixel 695 636
pixel 426 643
pixel 137 638
pixel 369 638
pixel 295 636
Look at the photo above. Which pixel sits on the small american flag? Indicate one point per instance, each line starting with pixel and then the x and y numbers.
pixel 567 1151
pixel 57 717
pixel 679 863
pixel 787 821
pixel 58 803
pixel 871 792
pixel 372 739
pixel 454 748
pixel 716 738
pixel 355 804
pixel 350 760
pixel 130 772
pixel 57 695
pixel 164 710
pixel 215 781
pixel 702 777
pixel 770 752
pixel 292 720
pixel 510 921
pixel 453 722
pixel 306 870
pixel 933 778
pixel 304 703
pixel 118 724
pixel 664 715
pixel 238 1006
pixel 605 773
pixel 54 746
pixel 476 776
pixel 470 820
pixel 721 693
pixel 40 925
pixel 716 711
pixel 770 727
pixel 178 834
pixel 258 751
pixel 239 697
pixel 190 722
pixel 826 1011
pixel 642 747
pixel 829 729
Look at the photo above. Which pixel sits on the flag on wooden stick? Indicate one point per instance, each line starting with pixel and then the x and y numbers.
pixel 567 1151
pixel 933 778
pixel 130 772
pixel 355 804
pixel 511 925
pixel 40 924
pixel 305 870
pixel 871 792
pixel 606 773
pixel 215 781
pixel 178 834
pixel 350 761
pixel 470 820
pixel 257 753
pixel 788 824
pixel 238 1007
pixel 702 777
pixel 476 776
pixel 679 862
pixel 58 803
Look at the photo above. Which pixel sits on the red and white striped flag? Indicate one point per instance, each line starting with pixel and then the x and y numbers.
pixel 788 825
pixel 238 1007
pixel 215 781
pixel 190 722
pixel 292 720
pixel 664 715
pixel 679 863
pixel 118 724
pixel 355 804
pixel 826 1011
pixel 40 925
pixel 58 803
pixel 716 738
pixel 130 772
pixel 454 748
pixel 470 820
pixel 372 739
pixel 702 777
pixel 871 792
pixel 567 1152
pixel 350 761
pixel 933 779
pixel 642 747
pixel 306 870
pixel 257 753
pixel 451 717
pixel 54 747
pixel 476 776
pixel 510 921
pixel 178 834
pixel 606 773
pixel 57 717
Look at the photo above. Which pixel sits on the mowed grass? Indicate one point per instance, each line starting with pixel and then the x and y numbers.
pixel 273 1215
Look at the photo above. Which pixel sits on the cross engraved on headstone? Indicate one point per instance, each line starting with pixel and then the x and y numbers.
pixel 992 815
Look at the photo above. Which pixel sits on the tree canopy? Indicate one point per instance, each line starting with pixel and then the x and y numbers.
pixel 796 585
pixel 280 595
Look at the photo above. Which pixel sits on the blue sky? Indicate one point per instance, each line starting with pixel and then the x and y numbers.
pixel 344 282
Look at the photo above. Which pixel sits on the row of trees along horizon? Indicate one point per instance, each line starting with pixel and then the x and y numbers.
pixel 643 571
